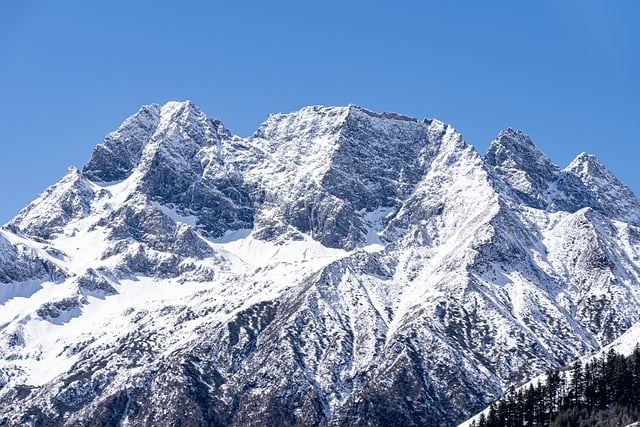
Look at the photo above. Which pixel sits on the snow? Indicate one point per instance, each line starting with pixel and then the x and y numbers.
pixel 119 191
pixel 375 223
pixel 627 343
pixel 190 220
pixel 449 256
pixel 259 253
pixel 18 290
pixel 101 318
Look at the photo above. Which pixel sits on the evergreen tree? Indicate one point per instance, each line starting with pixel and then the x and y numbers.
pixel 482 421
pixel 603 392
pixel 576 386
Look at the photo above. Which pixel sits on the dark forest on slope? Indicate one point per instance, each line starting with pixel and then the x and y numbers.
pixel 602 392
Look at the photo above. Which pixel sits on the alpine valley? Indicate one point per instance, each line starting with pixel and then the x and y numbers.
pixel 339 267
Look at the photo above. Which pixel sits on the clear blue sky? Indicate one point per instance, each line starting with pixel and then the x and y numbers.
pixel 565 71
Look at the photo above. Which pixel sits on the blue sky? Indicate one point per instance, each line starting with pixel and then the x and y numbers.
pixel 567 72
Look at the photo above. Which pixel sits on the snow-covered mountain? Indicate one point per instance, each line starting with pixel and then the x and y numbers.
pixel 338 267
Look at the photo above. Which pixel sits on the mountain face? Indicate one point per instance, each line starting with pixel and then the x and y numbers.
pixel 338 267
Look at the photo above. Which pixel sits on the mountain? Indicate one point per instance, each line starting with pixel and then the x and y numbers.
pixel 338 267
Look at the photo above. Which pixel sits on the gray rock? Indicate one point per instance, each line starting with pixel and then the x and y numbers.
pixel 459 276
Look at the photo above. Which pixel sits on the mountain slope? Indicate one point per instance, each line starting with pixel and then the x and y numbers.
pixel 338 267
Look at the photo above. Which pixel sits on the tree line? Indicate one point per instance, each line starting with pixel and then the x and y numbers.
pixel 602 392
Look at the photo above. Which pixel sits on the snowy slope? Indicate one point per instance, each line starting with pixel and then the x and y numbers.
pixel 337 267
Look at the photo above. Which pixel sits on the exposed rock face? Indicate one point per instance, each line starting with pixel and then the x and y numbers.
pixel 338 267
pixel 120 153
pixel 613 199
pixel 55 208
pixel 520 164
pixel 19 263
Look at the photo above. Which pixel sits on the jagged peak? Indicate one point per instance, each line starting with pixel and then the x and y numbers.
pixel 514 135
pixel 151 110
pixel 353 108
pixel 72 173
pixel 118 154
pixel 174 111
pixel 166 125
pixel 519 163
pixel 146 116
pixel 324 125
pixel 332 116
pixel 320 110
pixel 56 206
pixel 168 110
pixel 349 108
pixel 187 113
pixel 514 148
pixel 330 123
pixel 616 200
pixel 74 178
pixel 307 120
pixel 595 174
pixel 181 105
pixel 587 164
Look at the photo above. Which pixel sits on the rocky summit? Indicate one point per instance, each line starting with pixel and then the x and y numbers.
pixel 339 267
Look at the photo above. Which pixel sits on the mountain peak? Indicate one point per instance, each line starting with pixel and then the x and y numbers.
pixel 514 149
pixel 180 112
pixel 181 105
pixel 171 127
pixel 59 204
pixel 385 115
pixel 332 118
pixel 617 200
pixel 513 146
pixel 588 164
pixel 116 157
pixel 591 171
pixel 341 264
pixel 315 120
pixel 526 169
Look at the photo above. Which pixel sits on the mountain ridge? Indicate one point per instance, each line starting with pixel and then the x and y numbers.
pixel 338 266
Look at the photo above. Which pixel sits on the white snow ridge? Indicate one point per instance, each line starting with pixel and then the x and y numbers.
pixel 338 267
